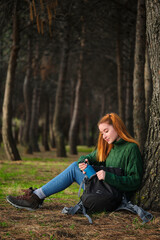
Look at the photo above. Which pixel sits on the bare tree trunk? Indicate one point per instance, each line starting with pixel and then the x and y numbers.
pixel 33 133
pixel 27 93
pixel 2 77
pixel 120 68
pixel 0 130
pixel 9 144
pixel 82 132
pixel 149 196
pixel 73 83
pixel 129 90
pixel 88 120
pixel 138 82
pixel 129 106
pixel 103 103
pixel 148 86
pixel 73 131
pixel 59 102
pixel 46 125
pixel 51 134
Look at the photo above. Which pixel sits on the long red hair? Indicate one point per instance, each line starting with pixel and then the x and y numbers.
pixel 103 147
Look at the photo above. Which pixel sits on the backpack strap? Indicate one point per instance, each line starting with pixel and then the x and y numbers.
pixel 82 183
pixel 85 214
pixel 77 208
pixel 127 205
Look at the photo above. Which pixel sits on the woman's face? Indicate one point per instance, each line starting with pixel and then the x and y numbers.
pixel 108 132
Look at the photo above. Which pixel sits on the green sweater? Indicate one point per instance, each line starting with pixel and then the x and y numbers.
pixel 123 155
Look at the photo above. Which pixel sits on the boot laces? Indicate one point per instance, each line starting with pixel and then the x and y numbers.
pixel 27 194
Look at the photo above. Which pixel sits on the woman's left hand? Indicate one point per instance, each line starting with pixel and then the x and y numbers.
pixel 101 174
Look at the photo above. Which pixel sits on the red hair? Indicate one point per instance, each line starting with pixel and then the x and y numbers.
pixel 103 147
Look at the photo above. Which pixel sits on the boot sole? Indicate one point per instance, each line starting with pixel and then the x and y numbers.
pixel 20 207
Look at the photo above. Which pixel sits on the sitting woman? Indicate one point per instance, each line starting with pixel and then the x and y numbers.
pixel 115 148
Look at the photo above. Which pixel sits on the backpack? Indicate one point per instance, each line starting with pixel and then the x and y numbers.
pixel 99 196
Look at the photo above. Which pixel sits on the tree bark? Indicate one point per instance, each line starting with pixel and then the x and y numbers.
pixel 9 144
pixel 129 106
pixel 149 196
pixel 51 134
pixel 129 88
pixel 120 68
pixel 73 131
pixel 27 93
pixel 33 134
pixel 138 82
pixel 148 86
pixel 88 119
pixel 0 131
pixel 46 124
pixel 59 101
pixel 103 103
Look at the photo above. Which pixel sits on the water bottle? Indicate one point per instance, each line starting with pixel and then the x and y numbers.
pixel 89 171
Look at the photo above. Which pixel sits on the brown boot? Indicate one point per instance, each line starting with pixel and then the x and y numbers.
pixel 29 200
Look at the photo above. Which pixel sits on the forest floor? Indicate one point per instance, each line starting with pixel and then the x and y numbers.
pixel 48 222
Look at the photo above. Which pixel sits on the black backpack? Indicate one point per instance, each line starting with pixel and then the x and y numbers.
pixel 99 196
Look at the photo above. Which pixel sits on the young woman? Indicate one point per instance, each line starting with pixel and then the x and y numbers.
pixel 115 148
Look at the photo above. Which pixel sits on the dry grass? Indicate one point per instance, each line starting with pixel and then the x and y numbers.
pixel 49 223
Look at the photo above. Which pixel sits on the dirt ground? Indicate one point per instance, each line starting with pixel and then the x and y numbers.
pixel 49 223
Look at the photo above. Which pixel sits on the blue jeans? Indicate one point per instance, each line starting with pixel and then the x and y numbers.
pixel 64 180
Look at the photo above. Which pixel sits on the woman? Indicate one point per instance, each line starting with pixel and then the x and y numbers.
pixel 115 148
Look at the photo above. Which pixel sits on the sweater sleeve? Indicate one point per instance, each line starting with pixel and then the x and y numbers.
pixel 133 173
pixel 92 158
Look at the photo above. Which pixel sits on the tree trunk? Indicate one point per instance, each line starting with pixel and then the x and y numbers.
pixel 0 130
pixel 103 103
pixel 129 106
pixel 82 133
pixel 120 68
pixel 73 131
pixel 59 101
pixel 51 134
pixel 46 125
pixel 9 144
pixel 1 89
pixel 73 83
pixel 33 134
pixel 88 119
pixel 138 82
pixel 148 86
pixel 129 88
pixel 149 196
pixel 27 93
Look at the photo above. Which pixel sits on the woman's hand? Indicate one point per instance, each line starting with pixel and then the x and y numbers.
pixel 101 174
pixel 82 166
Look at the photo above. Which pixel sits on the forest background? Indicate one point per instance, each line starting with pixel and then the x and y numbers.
pixel 64 64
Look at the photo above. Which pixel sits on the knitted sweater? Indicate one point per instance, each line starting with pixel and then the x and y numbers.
pixel 123 155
